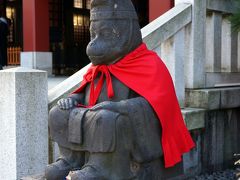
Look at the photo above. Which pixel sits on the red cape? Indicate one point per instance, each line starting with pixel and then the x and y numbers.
pixel 145 73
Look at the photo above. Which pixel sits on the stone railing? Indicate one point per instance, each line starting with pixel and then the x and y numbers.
pixel 165 35
pixel 66 86
pixel 222 44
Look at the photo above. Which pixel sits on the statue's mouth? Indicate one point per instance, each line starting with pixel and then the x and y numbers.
pixel 96 56
pixel 97 60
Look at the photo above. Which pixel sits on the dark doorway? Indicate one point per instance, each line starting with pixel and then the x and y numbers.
pixel 142 9
pixel 12 11
pixel 69 34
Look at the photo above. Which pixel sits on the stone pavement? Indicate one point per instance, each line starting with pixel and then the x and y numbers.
pixel 228 174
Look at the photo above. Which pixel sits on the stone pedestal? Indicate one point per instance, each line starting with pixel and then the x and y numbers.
pixel 37 60
pixel 24 124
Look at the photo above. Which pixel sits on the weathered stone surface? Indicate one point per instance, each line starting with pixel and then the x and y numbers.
pixel 36 177
pixel 195 37
pixel 192 161
pixel 23 130
pixel 166 25
pixel 226 46
pixel 194 118
pixel 222 79
pixel 230 98
pixel 37 60
pixel 215 98
pixel 220 139
pixel 203 98
pixel 172 53
pixel 226 6
pixel 238 52
pixel 213 42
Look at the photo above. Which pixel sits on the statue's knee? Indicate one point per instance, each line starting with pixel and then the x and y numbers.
pixel 54 114
pixel 58 118
pixel 106 115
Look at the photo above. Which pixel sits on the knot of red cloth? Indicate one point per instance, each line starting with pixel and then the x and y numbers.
pixel 95 89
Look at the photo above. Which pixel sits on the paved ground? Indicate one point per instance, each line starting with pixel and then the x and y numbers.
pixel 228 174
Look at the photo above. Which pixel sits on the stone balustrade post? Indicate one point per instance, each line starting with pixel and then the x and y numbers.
pixel 172 53
pixel 24 125
pixel 195 39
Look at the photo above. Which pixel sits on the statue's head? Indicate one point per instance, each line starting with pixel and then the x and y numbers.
pixel 114 31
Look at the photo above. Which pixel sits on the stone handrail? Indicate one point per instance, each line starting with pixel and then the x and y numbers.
pixel 167 25
pixel 65 87
pixel 224 6
pixel 155 32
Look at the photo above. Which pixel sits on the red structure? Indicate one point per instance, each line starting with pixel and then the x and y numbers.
pixel 158 7
pixel 35 25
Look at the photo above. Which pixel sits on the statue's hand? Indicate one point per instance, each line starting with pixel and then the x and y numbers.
pixel 67 103
pixel 118 107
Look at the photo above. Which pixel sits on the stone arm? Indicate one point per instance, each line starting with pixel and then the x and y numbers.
pixel 71 101
pixel 118 107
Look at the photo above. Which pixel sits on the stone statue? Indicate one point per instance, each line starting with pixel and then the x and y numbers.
pixel 109 127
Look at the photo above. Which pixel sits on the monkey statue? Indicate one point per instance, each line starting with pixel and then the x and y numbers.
pixel 124 120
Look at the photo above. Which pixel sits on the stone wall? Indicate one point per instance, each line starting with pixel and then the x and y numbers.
pixel 221 139
pixel 218 137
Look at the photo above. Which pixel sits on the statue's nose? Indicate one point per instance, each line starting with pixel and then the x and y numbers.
pixel 92 43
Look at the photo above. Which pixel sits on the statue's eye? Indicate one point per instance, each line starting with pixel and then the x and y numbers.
pixel 109 33
pixel 92 34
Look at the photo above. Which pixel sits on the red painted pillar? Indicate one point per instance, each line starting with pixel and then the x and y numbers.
pixel 36 53
pixel 157 8
pixel 35 25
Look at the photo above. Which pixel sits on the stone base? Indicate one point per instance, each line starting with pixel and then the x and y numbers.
pixel 37 60
pixel 24 122
pixel 35 177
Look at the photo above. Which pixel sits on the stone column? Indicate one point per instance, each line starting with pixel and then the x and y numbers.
pixel 238 52
pixel 229 60
pixel 214 42
pixel 172 53
pixel 24 124
pixel 195 43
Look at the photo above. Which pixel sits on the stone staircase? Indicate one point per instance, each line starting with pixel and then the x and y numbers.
pixel 200 101
pixel 212 116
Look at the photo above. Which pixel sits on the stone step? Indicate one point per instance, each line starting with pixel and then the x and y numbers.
pixel 213 98
pixel 35 177
pixel 229 174
pixel 194 118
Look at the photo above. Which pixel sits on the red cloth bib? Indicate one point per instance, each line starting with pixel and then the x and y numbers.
pixel 145 73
